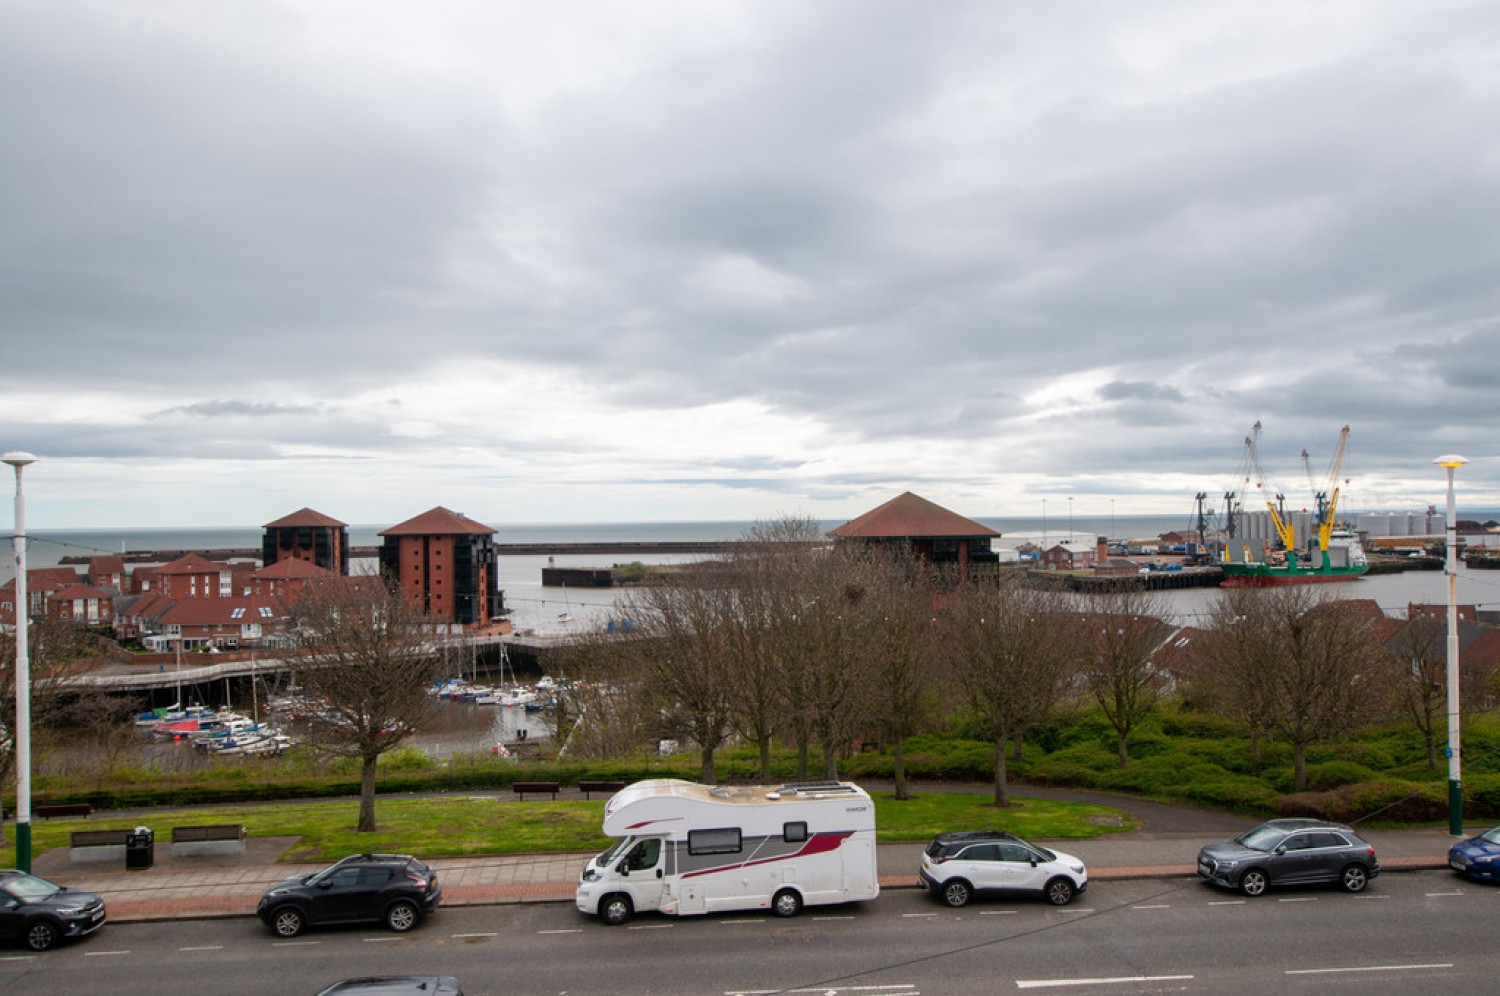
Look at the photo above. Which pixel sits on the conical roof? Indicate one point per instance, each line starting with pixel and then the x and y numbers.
pixel 909 516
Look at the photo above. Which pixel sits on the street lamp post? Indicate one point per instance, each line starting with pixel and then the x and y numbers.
pixel 1451 462
pixel 19 459
pixel 1070 518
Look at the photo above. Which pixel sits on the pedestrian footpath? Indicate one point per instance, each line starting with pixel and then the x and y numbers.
pixel 226 886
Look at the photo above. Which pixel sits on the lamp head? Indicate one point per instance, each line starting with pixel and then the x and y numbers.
pixel 1450 460
pixel 18 458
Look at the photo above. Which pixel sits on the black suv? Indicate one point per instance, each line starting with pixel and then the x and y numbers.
pixel 1290 852
pixel 394 889
pixel 41 913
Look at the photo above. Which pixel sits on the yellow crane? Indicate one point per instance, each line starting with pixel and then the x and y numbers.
pixel 1328 497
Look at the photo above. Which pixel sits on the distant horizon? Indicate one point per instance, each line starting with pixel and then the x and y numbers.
pixel 502 524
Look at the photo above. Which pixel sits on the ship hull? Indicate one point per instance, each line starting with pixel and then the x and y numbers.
pixel 1265 576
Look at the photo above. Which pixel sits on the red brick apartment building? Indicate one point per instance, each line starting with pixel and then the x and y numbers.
pixel 445 563
pixel 307 535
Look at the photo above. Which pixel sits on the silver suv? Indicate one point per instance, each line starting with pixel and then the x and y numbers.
pixel 960 865
pixel 1290 852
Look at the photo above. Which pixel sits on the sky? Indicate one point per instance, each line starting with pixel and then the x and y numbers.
pixel 660 260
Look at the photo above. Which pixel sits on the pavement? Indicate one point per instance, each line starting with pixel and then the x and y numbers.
pixel 1164 844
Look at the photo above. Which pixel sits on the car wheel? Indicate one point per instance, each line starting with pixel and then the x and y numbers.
pixel 1060 892
pixel 288 921
pixel 786 903
pixel 957 892
pixel 401 916
pixel 1354 878
pixel 1253 882
pixel 615 909
pixel 41 935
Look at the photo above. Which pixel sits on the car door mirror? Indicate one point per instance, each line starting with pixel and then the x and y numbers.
pixel 623 867
pixel 326 883
pixel 1280 850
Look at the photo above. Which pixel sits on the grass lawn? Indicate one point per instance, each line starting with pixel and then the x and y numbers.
pixel 453 825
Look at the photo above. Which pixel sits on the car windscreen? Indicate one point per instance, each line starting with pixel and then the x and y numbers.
pixel 31 888
pixel 608 857
pixel 1261 838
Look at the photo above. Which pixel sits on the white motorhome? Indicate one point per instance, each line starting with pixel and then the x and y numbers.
pixel 685 848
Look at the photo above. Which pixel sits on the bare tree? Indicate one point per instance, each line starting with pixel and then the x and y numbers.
pixel 1417 658
pixel 371 656
pixel 684 654
pixel 1009 648
pixel 1308 665
pixel 763 573
pixel 1120 633
pixel 833 633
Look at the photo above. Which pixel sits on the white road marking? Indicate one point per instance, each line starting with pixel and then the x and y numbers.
pixel 1227 902
pixel 1299 899
pixel 570 930
pixel 1156 906
pixel 493 934
pixel 1431 894
pixel 911 916
pixel 833 918
pixel 103 954
pixel 381 940
pixel 1058 983
pixel 19 958
pixel 1368 968
pixel 1372 897
pixel 652 926
pixel 293 944
pixel 996 912
pixel 204 947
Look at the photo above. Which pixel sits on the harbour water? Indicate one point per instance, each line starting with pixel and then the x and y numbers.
pixel 554 610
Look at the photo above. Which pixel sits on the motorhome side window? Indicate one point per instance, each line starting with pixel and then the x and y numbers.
pixel 725 841
pixel 793 832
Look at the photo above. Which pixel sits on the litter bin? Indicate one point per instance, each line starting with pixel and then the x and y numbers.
pixel 140 848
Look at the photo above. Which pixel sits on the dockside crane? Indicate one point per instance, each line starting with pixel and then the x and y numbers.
pixel 1327 497
pixel 1277 508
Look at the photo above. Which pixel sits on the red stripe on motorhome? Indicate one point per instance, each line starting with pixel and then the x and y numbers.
pixel 818 844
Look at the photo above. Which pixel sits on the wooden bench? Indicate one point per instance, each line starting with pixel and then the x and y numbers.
pixel 536 788
pixel 97 845
pixel 587 787
pixel 63 809
pixel 218 838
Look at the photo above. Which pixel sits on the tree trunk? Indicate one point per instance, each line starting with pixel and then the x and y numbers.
pixel 830 763
pixel 1002 786
pixel 765 760
pixel 898 760
pixel 367 794
pixel 1299 776
pixel 804 761
pixel 1124 753
pixel 1017 743
pixel 707 774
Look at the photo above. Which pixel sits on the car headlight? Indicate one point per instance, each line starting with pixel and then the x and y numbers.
pixel 1486 858
pixel 1077 869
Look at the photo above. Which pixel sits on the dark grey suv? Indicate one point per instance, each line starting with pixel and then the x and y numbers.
pixel 1290 852
pixel 394 889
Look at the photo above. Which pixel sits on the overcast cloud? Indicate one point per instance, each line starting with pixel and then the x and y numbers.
pixel 623 260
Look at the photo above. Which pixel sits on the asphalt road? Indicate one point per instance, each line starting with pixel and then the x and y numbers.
pixel 1411 932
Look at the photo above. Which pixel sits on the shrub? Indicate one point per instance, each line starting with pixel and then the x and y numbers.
pixel 1332 774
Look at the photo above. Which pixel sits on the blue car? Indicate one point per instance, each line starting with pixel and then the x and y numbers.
pixel 1477 857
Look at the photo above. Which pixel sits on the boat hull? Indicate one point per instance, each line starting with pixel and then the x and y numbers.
pixel 1266 576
